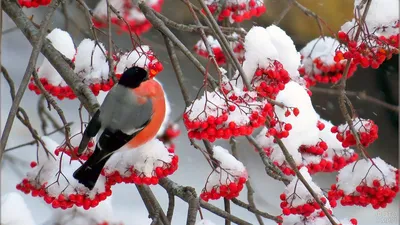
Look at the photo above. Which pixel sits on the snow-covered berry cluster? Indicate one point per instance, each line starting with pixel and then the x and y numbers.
pixel 130 19
pixel 143 57
pixel 367 130
pixel 91 65
pixel 237 47
pixel 315 220
pixel 144 165
pixel 227 179
pixel 310 142
pixel 237 10
pixel 366 182
pixel 48 75
pixel 320 64
pixel 297 200
pixel 378 38
pixel 52 180
pixel 213 117
pixel 33 3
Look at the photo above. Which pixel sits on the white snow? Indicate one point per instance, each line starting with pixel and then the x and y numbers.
pixel 144 159
pixel 264 45
pixel 360 124
pixel 62 41
pixel 325 50
pixel 14 211
pixel 349 179
pixel 137 57
pixel 91 62
pixel 302 195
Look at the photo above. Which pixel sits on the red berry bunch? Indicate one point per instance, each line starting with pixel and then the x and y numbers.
pixel 228 191
pixel 201 49
pixel 366 184
pixel 238 12
pixel 326 73
pixel 367 131
pixel 305 210
pixel 279 129
pixel 317 149
pixel 73 153
pixel 137 24
pixel 268 82
pixel 33 3
pixel 225 126
pixel 58 91
pixel 131 175
pixel 371 53
pixel 63 200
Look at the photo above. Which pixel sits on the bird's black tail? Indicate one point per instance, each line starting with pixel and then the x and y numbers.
pixel 89 172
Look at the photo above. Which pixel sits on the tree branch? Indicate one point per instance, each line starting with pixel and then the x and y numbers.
pixel 37 44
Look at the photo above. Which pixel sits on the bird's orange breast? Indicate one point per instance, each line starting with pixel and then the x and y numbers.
pixel 152 90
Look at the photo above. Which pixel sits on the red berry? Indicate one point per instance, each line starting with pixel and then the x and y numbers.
pixel 33 164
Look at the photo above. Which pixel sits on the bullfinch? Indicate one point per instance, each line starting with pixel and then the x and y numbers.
pixel 131 115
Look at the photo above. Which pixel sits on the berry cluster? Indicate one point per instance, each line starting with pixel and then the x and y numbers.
pixel 268 82
pixel 58 91
pixel 317 149
pixel 73 152
pixel 237 46
pixel 236 11
pixel 305 210
pixel 367 131
pixel 213 128
pixel 326 73
pixel 131 175
pixel 366 182
pixel 62 201
pixel 134 20
pixel 371 53
pixel 228 191
pixel 33 3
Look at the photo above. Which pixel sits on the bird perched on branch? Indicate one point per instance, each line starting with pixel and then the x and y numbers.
pixel 131 114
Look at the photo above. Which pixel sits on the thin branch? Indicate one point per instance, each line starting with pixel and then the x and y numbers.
pixel 225 44
pixel 171 206
pixel 187 193
pixel 283 13
pixel 227 207
pixel 195 28
pixel 81 90
pixel 149 198
pixel 309 13
pixel 159 25
pixel 361 95
pixel 34 141
pixel 38 43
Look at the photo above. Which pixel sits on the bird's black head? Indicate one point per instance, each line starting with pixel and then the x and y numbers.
pixel 133 77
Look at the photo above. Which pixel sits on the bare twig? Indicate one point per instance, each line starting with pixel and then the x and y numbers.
pixel 149 198
pixel 361 95
pixel 283 13
pixel 25 80
pixel 187 193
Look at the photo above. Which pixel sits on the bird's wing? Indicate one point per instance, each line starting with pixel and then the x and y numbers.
pixel 123 118
pixel 91 130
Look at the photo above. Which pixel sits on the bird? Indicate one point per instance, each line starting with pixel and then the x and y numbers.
pixel 131 115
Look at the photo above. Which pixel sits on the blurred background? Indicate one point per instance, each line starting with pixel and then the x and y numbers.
pixel 128 207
